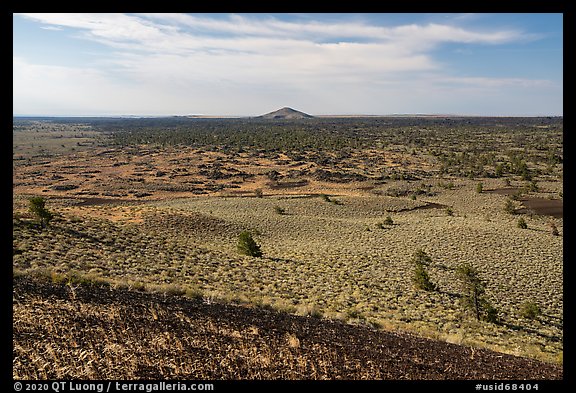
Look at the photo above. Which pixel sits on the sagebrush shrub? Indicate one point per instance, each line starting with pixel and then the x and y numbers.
pixel 530 310
pixel 522 223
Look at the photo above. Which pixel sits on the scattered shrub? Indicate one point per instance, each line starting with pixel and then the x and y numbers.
pixel 446 186
pixel 490 312
pixel 509 207
pixel 326 198
pixel 522 223
pixel 530 310
pixel 532 186
pixel 554 229
pixel 420 256
pixel 387 222
pixel 516 196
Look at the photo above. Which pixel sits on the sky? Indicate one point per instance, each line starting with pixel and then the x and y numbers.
pixel 322 64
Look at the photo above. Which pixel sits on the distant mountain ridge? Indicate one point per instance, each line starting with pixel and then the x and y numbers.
pixel 285 113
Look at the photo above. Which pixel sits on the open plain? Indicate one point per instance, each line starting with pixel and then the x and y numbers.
pixel 339 207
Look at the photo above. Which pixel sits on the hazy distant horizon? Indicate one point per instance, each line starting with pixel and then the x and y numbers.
pixel 252 116
pixel 242 65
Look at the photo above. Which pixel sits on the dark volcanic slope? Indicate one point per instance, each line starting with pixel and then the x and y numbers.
pixel 100 333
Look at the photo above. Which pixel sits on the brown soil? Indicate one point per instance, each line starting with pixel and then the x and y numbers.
pixel 90 201
pixel 428 205
pixel 539 206
pixel 95 332
pixel 102 175
pixel 543 207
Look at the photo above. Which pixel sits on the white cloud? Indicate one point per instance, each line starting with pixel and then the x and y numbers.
pixel 173 32
pixel 181 63
pixel 52 28
pixel 106 26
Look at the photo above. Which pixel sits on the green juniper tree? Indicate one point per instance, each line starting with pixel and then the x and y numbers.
pixel 37 206
pixel 420 277
pixel 247 245
pixel 473 297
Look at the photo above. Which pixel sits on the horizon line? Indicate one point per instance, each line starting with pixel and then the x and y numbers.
pixel 200 116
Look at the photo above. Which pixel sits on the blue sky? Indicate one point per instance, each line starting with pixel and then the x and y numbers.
pixel 249 64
